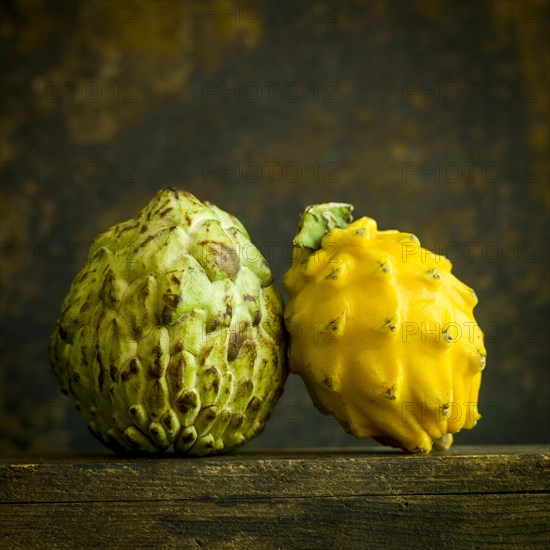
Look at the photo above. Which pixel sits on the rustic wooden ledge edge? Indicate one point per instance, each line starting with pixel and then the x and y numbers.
pixel 282 474
pixel 469 497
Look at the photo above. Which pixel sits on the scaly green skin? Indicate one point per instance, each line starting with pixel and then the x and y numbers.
pixel 172 333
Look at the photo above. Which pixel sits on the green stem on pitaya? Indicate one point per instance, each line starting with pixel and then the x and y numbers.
pixel 319 219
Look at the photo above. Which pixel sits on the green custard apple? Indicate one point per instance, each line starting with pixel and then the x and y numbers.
pixel 172 334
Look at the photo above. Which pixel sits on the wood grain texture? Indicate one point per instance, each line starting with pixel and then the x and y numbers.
pixel 469 497
pixel 431 521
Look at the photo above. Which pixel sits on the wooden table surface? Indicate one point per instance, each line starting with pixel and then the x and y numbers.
pixel 468 497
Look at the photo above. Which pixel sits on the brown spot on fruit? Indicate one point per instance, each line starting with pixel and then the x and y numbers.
pixel 188 438
pixel 187 402
pixel 224 257
pixel 171 303
pixel 113 371
pixel 236 340
pixel 146 241
pixel 134 367
pixel 211 374
pixel 125 228
pixel 175 374
pixel 101 378
pixel 132 370
pixel 62 332
pixel 254 404
pixel 108 289
pixel 155 369
pixel 237 421
pixel 213 325
pixel 168 421
pixel 101 374
pixel 207 351
pixel 210 414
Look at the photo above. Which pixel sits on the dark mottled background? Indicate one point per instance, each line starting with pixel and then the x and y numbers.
pixel 429 116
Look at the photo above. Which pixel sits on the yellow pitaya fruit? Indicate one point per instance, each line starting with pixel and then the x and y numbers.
pixel 382 332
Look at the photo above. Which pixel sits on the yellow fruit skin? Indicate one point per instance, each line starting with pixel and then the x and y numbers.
pixel 384 337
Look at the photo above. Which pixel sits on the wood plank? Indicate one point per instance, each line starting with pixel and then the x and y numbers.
pixel 99 478
pixel 415 521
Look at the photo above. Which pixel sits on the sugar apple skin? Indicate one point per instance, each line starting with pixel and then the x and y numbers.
pixel 381 331
pixel 172 334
